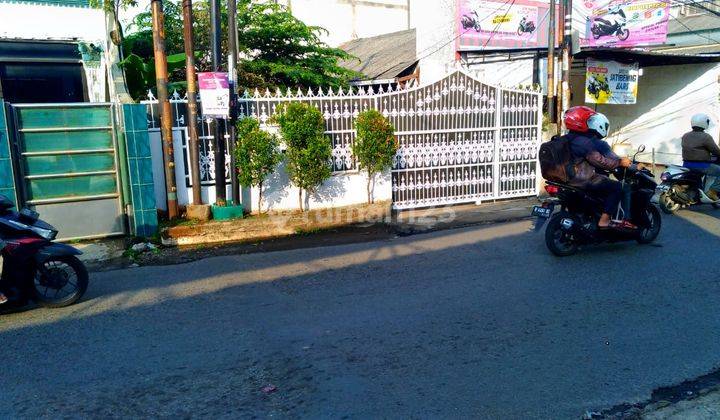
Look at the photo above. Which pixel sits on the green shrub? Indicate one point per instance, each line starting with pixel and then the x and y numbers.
pixel 374 146
pixel 256 155
pixel 308 149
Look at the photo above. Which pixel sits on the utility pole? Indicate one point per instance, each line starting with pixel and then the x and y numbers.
pixel 232 63
pixel 567 55
pixel 192 101
pixel 161 76
pixel 551 66
pixel 220 190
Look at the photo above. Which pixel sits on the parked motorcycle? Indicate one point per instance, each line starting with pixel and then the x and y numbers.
pixel 596 87
pixel 682 187
pixel 35 269
pixel 471 21
pixel 526 26
pixel 614 24
pixel 576 223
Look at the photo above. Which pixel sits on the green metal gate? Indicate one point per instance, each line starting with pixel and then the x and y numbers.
pixel 67 167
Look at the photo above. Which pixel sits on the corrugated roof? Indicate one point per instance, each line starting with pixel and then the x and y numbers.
pixel 382 57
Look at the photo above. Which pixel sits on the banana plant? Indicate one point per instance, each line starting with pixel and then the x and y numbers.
pixel 140 73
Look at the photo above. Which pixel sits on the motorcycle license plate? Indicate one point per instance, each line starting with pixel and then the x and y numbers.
pixel 540 211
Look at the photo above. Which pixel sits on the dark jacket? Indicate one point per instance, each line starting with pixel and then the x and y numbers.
pixel 592 156
pixel 699 146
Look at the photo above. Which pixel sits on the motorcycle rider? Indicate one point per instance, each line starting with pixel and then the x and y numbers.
pixel 698 151
pixel 594 159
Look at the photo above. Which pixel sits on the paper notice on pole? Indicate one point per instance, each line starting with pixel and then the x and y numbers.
pixel 214 94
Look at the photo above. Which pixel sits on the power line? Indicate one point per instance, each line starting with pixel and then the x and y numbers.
pixel 462 33
pixel 693 31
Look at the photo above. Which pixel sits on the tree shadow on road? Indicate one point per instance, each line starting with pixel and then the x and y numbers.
pixel 475 321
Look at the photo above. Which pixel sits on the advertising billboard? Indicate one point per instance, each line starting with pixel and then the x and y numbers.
pixel 624 24
pixel 499 24
pixel 610 82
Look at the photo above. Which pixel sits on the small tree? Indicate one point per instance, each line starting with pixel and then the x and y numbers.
pixel 256 155
pixel 308 150
pixel 374 146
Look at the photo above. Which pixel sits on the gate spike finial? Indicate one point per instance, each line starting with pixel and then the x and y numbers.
pixel 267 92
pixel 310 93
pixel 150 95
pixel 288 93
pixel 278 93
pixel 340 92
pixel 256 94
pixel 320 92
pixel 246 94
pixel 330 92
pixel 299 93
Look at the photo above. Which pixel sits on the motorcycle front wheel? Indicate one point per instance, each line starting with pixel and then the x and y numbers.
pixel 623 35
pixel 59 282
pixel 667 204
pixel 520 31
pixel 651 227
pixel 558 240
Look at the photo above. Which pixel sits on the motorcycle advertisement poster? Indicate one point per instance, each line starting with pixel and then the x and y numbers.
pixel 214 94
pixel 610 82
pixel 625 24
pixel 488 24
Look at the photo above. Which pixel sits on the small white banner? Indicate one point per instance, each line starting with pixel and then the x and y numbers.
pixel 214 94
pixel 610 82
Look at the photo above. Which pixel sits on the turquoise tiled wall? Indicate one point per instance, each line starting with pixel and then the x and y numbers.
pixel 145 220
pixel 7 180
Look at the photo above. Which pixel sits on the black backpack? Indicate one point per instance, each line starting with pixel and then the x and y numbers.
pixel 556 160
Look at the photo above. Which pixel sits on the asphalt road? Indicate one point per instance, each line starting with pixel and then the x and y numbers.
pixel 476 322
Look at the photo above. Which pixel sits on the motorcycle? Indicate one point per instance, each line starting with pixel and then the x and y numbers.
pixel 613 26
pixel 576 223
pixel 681 188
pixel 595 87
pixel 34 268
pixel 470 22
pixel 526 26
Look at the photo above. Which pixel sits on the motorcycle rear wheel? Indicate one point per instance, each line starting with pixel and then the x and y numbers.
pixel 667 204
pixel 559 241
pixel 651 230
pixel 60 282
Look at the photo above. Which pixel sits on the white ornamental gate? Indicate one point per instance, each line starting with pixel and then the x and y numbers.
pixel 463 141
pixel 460 140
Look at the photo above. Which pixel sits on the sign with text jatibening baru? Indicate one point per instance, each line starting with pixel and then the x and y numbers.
pixel 214 94
pixel 610 82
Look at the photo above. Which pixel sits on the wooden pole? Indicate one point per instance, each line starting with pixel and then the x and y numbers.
pixel 161 76
pixel 192 101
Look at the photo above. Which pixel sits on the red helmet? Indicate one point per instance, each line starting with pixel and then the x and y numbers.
pixel 576 118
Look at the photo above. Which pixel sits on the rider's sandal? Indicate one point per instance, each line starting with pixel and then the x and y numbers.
pixel 619 225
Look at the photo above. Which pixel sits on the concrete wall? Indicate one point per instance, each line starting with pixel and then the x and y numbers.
pixel 435 23
pixel 342 189
pixel 346 21
pixel 31 21
pixel 667 97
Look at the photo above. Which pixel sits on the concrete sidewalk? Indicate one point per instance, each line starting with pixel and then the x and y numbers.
pixel 451 217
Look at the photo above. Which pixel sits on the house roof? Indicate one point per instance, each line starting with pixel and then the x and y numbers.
pixel 382 57
pixel 697 23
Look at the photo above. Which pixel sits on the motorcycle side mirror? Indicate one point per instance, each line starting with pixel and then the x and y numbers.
pixel 640 149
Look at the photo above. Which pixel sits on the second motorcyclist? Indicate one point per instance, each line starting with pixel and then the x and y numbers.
pixel 700 153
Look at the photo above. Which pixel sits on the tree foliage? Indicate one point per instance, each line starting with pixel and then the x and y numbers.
pixel 256 154
pixel 308 149
pixel 275 48
pixel 374 146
